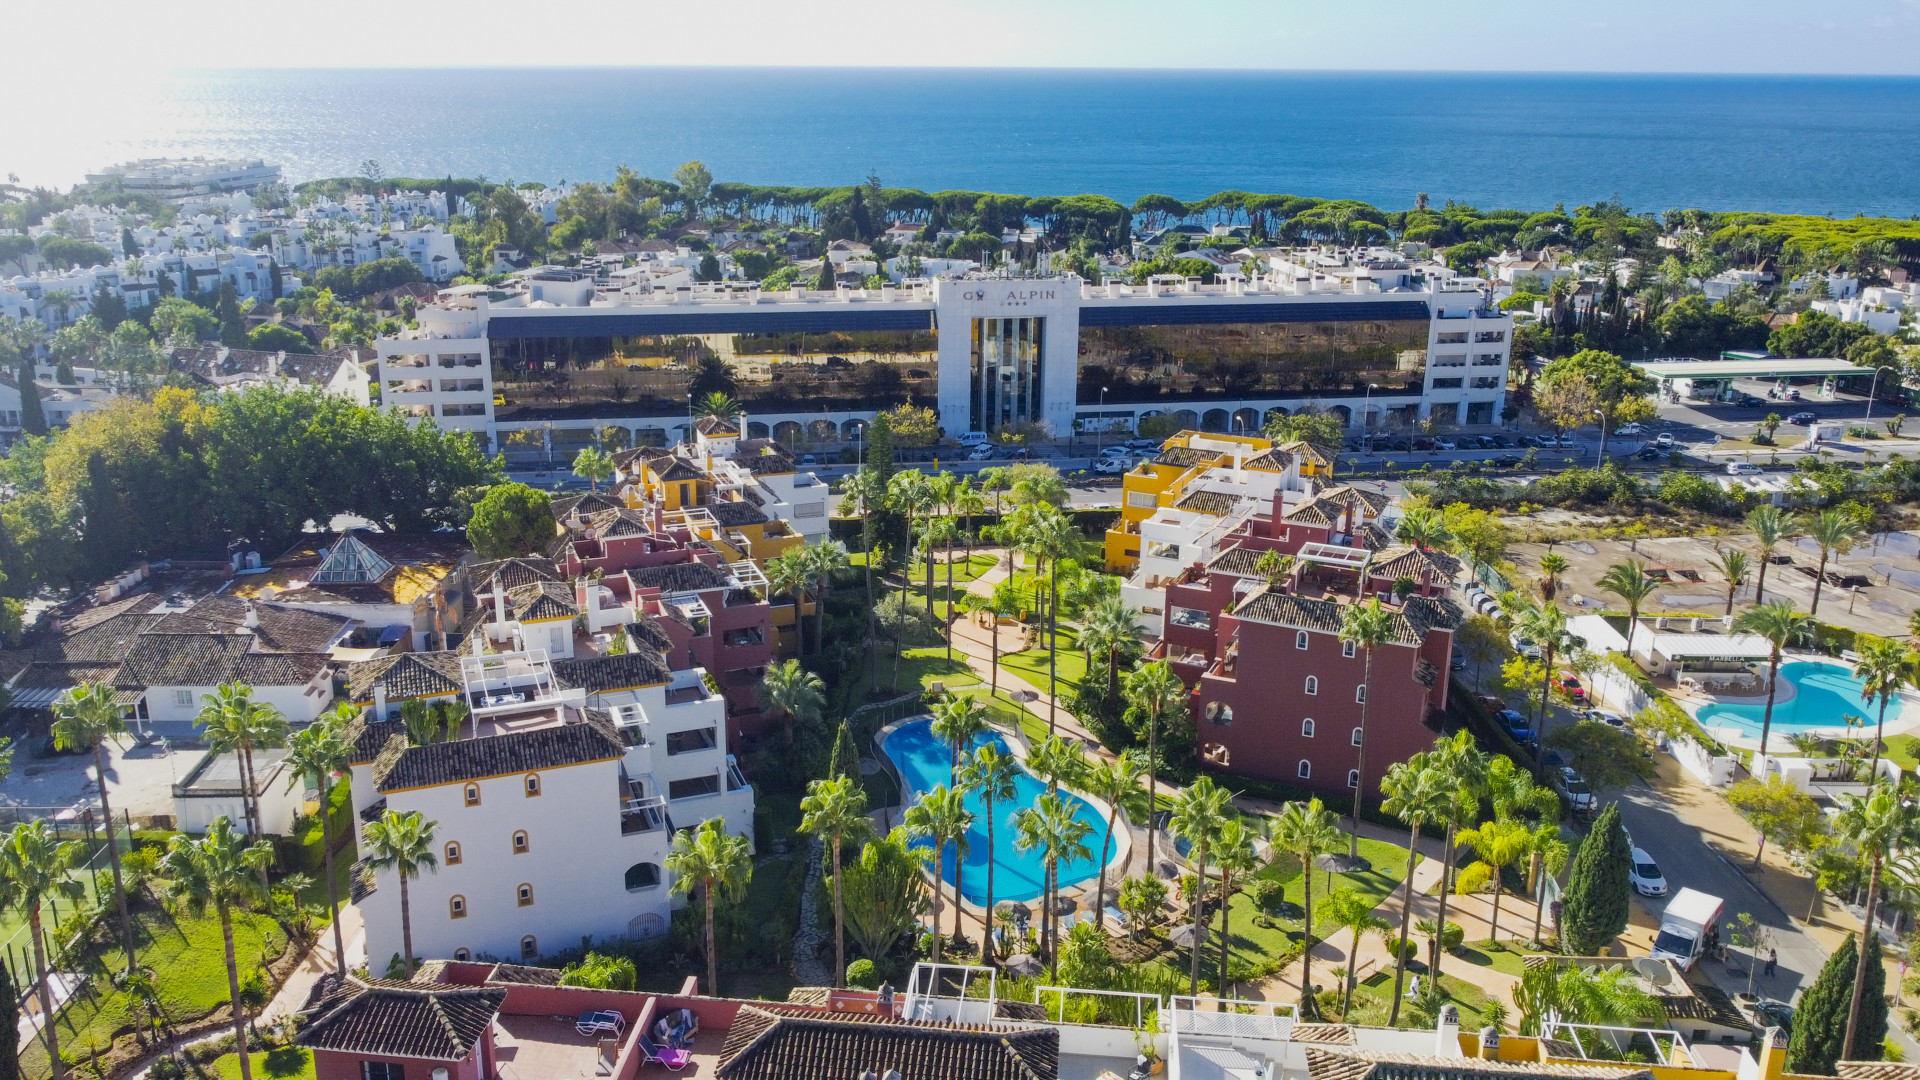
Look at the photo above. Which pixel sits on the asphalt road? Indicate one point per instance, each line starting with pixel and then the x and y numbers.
pixel 1689 861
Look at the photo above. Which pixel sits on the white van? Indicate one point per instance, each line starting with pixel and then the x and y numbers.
pixel 1742 468
pixel 974 438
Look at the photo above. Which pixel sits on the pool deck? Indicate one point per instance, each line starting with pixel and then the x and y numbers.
pixel 1124 836
pixel 1903 713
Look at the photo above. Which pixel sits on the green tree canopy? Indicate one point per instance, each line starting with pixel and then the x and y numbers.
pixel 1594 909
pixel 513 519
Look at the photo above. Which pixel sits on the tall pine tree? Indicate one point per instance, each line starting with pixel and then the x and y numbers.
pixel 1820 1020
pixel 1594 909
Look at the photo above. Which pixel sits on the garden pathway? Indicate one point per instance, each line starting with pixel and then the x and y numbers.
pixel 807 967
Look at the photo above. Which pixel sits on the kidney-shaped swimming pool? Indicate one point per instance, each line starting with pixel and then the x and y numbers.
pixel 924 763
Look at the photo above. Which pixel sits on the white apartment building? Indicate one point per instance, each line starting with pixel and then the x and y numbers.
pixel 179 178
pixel 442 369
pixel 1877 317
pixel 553 808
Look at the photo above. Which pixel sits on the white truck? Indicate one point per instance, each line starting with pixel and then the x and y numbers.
pixel 1685 927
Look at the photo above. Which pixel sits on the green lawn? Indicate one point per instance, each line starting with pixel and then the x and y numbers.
pixel 1904 750
pixel 188 964
pixel 279 1063
pixel 1255 944
pixel 1031 665
pixel 14 940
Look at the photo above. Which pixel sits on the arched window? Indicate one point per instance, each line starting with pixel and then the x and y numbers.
pixel 642 875
pixel 1306 728
pixel 1346 649
pixel 1353 777
pixel 529 948
pixel 1300 640
pixel 1313 684
pixel 520 845
pixel 526 895
pixel 1356 736
pixel 1360 693
pixel 533 784
pixel 463 954
pixel 1306 769
pixel 457 907
pixel 453 853
pixel 473 794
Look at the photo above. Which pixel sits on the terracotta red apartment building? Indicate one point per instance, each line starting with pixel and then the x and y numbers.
pixel 1276 694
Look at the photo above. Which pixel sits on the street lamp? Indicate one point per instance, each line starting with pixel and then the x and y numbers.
pixel 1603 437
pixel 1874 390
pixel 1366 412
pixel 1100 425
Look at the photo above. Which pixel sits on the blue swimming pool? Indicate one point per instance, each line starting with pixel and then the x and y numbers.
pixel 924 762
pixel 1823 695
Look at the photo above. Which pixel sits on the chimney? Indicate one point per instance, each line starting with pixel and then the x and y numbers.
pixel 379 699
pixel 1490 1043
pixel 1446 1040
pixel 499 599
pixel 252 619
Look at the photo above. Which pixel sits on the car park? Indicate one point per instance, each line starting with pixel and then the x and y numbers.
pixel 1606 716
pixel 1802 418
pixel 1644 874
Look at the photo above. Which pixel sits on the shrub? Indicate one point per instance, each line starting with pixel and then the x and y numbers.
pixel 1472 878
pixel 862 974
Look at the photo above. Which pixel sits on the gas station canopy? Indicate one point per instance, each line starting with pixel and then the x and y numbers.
pixel 1771 367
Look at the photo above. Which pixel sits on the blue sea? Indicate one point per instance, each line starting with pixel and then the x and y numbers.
pixel 1825 145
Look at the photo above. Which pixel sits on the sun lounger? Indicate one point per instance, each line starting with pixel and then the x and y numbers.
pixel 654 1054
pixel 1114 914
pixel 594 1023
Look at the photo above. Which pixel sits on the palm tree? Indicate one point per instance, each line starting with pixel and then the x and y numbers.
pixel 1306 830
pixel 1003 603
pixel 861 494
pixel 835 809
pixel 1111 782
pixel 318 752
pixel 1418 794
pixel 1056 760
pixel 1733 564
pixel 789 575
pixel 993 772
pixel 821 562
pixel 1048 536
pixel 967 501
pixel 1885 667
pixel 232 721
pixel 909 492
pixel 593 465
pixel 1051 826
pixel 1628 581
pixel 1235 855
pixel 1545 626
pixel 1835 531
pixel 719 405
pixel 719 864
pixel 1550 854
pixel 1353 910
pixel 1364 625
pixel 957 721
pixel 34 869
pixel 402 843
pixel 1461 759
pixel 1423 527
pixel 1777 622
pixel 795 691
pixel 1159 693
pixel 1108 630
pixel 1499 844
pixel 935 532
pixel 222 871
pixel 1873 825
pixel 1552 565
pixel 1769 526
pixel 941 815
pixel 87 718
pixel 1198 814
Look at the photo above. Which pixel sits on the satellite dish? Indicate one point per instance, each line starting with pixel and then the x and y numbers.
pixel 1653 971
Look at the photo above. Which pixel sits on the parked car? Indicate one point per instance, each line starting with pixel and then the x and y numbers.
pixel 1457 661
pixel 1606 716
pixel 1570 686
pixel 1630 429
pixel 1742 468
pixel 1664 441
pixel 1446 444
pixel 1108 466
pixel 1791 395
pixel 1401 446
pixel 809 459
pixel 1802 418
pixel 1573 787
pixel 1500 442
pixel 974 438
pixel 1524 647
pixel 1645 876
pixel 1143 446
pixel 1516 724
pixel 1424 444
pixel 981 453
pixel 1650 453
pixel 1509 461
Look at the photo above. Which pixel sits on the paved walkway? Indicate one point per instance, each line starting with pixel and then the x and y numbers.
pixel 318 961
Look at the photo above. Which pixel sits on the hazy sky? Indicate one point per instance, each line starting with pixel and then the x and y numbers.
pixel 112 40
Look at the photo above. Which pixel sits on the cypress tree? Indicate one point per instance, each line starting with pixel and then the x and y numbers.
pixel 1869 1041
pixel 273 278
pixel 33 419
pixel 10 1040
pixel 1820 1020
pixel 824 283
pixel 233 325
pixel 1594 910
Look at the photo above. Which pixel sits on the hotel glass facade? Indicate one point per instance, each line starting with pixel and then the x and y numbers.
pixel 1007 367
pixel 1253 359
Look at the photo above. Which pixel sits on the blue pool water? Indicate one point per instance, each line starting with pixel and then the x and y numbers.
pixel 1824 694
pixel 924 763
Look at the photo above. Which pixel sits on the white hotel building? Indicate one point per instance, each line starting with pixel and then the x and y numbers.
pixel 1377 339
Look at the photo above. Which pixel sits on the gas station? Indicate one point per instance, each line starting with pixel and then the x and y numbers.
pixel 1712 380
